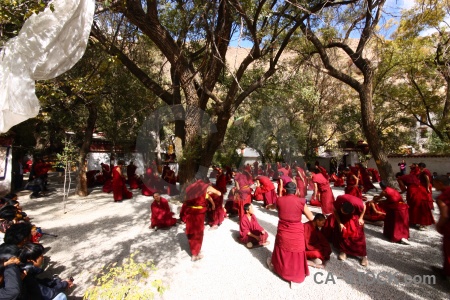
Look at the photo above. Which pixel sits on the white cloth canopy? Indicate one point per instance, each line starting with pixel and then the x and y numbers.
pixel 48 45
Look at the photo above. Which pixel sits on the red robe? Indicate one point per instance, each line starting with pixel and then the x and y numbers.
pixel 119 188
pixel 352 187
pixel 365 178
pixel 423 181
pixel 418 201
pixel 171 180
pixel 282 181
pixel 229 204
pixel 326 194
pixel 351 240
pixel 252 225
pixel 371 214
pixel 301 185
pixel 396 222
pixel 215 217
pixel 161 214
pixel 244 194
pixel 445 197
pixel 221 182
pixel 316 244
pixel 289 256
pixel 133 181
pixel 196 206
pixel 268 190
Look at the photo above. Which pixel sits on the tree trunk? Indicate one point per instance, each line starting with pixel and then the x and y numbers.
pixel 371 134
pixel 82 189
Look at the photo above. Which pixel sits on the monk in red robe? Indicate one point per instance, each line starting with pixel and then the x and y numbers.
pixel 229 204
pixel 365 179
pixel 374 212
pixel 267 189
pixel 120 191
pixel 161 216
pixel 216 216
pixel 322 192
pixel 352 187
pixel 147 188
pixel 221 181
pixel 318 249
pixel 396 221
pixel 322 170
pixel 418 201
pixel 197 196
pixel 107 175
pixel 442 184
pixel 301 180
pixel 133 179
pixel 348 227
pixel 289 254
pixel 171 178
pixel 282 181
pixel 243 193
pixel 426 180
pixel 250 232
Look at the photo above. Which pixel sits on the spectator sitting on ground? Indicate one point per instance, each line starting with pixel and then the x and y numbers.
pixel 18 234
pixel 20 215
pixel 36 288
pixel 10 273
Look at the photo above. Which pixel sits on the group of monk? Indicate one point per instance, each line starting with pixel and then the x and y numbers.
pixel 301 245
pixel 115 181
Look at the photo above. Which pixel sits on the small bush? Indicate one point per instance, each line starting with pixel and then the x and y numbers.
pixel 131 281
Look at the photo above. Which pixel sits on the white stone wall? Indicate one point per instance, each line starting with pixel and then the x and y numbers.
pixel 441 165
pixel 5 184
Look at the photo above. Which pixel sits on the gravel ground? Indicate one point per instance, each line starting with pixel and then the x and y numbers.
pixel 94 231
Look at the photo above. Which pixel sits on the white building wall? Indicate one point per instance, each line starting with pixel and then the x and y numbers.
pixel 441 165
pixel 5 184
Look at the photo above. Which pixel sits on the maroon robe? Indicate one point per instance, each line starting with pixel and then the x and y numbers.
pixel 120 191
pixel 195 210
pixel 252 225
pixel 282 181
pixel 107 184
pixel 229 204
pixel 316 244
pixel 323 171
pixel 423 175
pixel 289 256
pixel 243 195
pixel 351 240
pixel 301 184
pixel 326 194
pixel 370 213
pixel 215 217
pixel 365 178
pixel 133 180
pixel 161 214
pixel 396 222
pixel 418 201
pixel 445 197
pixel 171 180
pixel 221 182
pixel 268 190
pixel 352 187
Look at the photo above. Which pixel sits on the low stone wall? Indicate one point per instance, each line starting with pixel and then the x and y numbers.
pixel 439 164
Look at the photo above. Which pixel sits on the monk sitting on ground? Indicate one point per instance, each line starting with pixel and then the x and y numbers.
pixel 161 215
pixel 251 233
pixel 318 249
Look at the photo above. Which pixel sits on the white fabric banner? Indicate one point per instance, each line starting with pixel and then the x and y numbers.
pixel 48 45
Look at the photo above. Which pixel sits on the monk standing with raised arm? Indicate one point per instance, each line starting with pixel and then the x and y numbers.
pixel 197 196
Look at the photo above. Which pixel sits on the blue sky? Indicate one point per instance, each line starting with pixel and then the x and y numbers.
pixel 392 8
